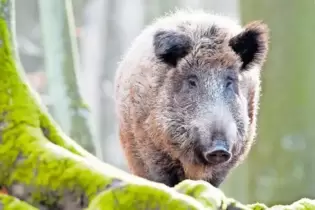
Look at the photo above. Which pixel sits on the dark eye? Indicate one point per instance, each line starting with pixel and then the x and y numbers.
pixel 229 82
pixel 192 81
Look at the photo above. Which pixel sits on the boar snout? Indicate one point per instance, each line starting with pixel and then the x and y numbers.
pixel 218 153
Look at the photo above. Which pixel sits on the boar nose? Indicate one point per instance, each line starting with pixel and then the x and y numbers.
pixel 219 153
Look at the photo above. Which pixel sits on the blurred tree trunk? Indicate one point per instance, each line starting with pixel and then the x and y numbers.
pixel 62 61
pixel 93 36
pixel 281 164
pixel 125 20
pixel 111 53
pixel 29 36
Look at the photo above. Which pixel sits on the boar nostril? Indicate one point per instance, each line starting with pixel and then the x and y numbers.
pixel 217 155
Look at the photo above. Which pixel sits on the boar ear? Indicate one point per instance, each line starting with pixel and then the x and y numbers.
pixel 251 44
pixel 170 46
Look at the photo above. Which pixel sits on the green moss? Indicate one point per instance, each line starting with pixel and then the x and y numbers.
pixel 10 203
pixel 137 196
pixel 49 170
pixel 206 194
pixel 54 134
pixel 202 191
pixel 302 204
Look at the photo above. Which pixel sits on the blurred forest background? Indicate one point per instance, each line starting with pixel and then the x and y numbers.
pixel 280 167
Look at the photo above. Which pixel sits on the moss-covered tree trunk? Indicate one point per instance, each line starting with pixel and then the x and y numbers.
pixel 62 63
pixel 42 168
pixel 281 164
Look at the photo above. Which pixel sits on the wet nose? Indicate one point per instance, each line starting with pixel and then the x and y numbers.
pixel 219 153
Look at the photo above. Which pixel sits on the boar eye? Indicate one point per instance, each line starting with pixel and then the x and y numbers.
pixel 192 81
pixel 229 82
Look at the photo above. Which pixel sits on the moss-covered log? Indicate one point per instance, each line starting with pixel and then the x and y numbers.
pixel 43 168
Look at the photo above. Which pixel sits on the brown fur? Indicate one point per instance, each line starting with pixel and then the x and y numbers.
pixel 189 80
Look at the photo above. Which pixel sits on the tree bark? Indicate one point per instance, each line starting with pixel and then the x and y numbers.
pixel 42 168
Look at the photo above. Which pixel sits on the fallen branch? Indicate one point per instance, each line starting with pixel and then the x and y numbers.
pixel 42 167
